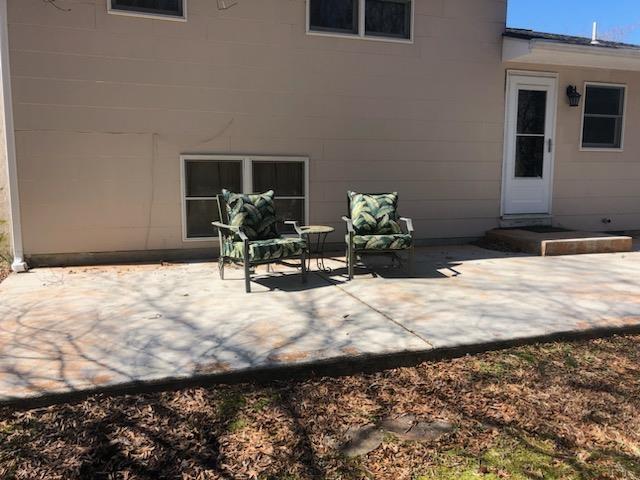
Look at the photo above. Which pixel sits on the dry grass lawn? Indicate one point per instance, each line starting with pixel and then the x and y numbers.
pixel 552 411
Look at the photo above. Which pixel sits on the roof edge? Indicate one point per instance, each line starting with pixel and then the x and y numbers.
pixel 525 34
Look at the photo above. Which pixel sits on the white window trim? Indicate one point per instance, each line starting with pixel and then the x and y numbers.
pixel 247 182
pixel 624 117
pixel 361 27
pixel 156 16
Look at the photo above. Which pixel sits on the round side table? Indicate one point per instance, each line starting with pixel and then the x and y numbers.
pixel 321 231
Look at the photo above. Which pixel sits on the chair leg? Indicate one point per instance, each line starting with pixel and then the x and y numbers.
pixel 350 261
pixel 303 266
pixel 247 268
pixel 221 267
pixel 247 277
pixel 412 262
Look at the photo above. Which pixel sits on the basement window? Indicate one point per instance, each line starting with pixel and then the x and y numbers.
pixel 372 19
pixel 204 177
pixel 167 9
pixel 603 116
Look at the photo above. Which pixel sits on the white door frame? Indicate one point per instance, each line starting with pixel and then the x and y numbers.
pixel 509 129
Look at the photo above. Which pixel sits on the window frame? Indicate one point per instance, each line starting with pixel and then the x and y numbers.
pixel 247 182
pixel 625 90
pixel 361 35
pixel 157 16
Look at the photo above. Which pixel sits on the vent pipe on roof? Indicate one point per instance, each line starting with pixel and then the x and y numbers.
pixel 594 34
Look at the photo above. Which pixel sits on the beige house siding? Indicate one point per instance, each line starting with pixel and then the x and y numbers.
pixel 591 186
pixel 105 104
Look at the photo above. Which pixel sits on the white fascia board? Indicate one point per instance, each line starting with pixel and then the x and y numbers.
pixel 548 52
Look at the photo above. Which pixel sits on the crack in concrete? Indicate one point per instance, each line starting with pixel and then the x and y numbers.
pixel 330 281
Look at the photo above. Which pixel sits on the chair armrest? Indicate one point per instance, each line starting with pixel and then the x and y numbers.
pixel 350 228
pixel 231 228
pixel 295 226
pixel 409 223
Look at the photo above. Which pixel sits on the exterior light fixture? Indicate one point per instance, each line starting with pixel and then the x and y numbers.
pixel 574 96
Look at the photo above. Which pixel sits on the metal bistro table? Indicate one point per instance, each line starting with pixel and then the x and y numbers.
pixel 321 231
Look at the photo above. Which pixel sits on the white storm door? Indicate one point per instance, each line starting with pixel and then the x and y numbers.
pixel 528 166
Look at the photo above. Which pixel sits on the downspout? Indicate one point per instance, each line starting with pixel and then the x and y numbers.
pixel 15 228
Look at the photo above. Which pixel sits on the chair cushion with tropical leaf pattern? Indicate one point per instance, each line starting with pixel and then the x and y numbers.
pixel 261 250
pixel 374 214
pixel 400 241
pixel 255 213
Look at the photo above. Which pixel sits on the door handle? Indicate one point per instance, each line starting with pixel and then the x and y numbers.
pixel 550 145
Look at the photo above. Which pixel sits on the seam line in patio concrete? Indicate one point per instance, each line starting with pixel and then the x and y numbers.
pixel 380 312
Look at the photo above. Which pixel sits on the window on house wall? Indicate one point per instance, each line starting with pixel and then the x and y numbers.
pixel 388 18
pixel 339 16
pixel 391 19
pixel 168 8
pixel 204 177
pixel 287 179
pixel 603 121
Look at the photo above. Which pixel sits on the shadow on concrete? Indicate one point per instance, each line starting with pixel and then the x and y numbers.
pixel 68 331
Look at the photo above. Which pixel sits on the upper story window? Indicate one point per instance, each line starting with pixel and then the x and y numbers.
pixel 172 9
pixel 381 19
pixel 603 122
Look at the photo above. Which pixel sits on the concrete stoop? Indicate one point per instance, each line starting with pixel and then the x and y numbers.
pixel 552 242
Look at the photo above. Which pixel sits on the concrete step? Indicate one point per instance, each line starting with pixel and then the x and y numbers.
pixel 525 220
pixel 552 241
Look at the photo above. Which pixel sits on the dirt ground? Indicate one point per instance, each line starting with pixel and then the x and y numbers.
pixel 4 272
pixel 4 269
pixel 552 411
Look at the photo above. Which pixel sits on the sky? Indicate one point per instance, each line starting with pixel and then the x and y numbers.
pixel 618 20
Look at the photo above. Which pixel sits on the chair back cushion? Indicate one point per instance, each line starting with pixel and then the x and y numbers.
pixel 374 214
pixel 255 213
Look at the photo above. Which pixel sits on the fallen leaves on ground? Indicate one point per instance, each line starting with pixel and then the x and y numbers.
pixel 4 270
pixel 557 410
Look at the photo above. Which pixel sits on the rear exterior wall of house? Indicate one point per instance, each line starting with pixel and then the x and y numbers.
pixel 592 186
pixel 105 105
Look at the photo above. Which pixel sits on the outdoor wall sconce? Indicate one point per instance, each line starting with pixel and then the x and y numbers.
pixel 574 96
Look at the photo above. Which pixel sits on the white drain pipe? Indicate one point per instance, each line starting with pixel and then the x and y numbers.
pixel 594 34
pixel 6 105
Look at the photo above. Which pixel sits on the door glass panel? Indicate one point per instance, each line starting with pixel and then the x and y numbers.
pixel 285 178
pixel 532 106
pixel 529 156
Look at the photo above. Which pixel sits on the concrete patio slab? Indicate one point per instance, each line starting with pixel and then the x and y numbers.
pixel 500 299
pixel 77 329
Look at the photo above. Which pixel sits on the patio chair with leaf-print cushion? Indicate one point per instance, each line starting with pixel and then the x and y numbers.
pixel 373 227
pixel 248 234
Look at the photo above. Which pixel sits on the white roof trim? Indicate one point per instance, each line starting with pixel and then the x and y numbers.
pixel 549 52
